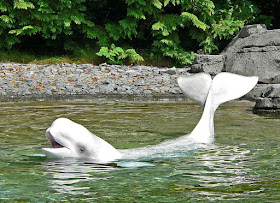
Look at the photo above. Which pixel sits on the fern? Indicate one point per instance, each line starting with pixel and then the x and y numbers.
pixel 194 19
pixel 117 55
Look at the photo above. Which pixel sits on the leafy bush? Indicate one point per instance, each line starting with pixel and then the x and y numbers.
pixel 117 55
pixel 173 29
pixel 52 20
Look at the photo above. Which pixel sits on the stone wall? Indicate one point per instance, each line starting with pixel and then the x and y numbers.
pixel 60 81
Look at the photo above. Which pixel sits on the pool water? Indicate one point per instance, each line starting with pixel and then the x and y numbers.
pixel 243 164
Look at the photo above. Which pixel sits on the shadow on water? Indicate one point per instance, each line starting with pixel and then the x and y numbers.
pixel 271 113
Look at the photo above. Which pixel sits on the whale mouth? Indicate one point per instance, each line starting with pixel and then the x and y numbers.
pixel 57 148
pixel 54 143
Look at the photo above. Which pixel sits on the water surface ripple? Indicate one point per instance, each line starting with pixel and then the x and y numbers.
pixel 243 164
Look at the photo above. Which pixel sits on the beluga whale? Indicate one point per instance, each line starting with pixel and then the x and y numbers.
pixel 72 140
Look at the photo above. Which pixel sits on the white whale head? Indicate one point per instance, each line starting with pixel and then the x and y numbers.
pixel 70 139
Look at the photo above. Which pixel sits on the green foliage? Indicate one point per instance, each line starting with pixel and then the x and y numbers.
pixel 47 19
pixel 116 55
pixel 173 29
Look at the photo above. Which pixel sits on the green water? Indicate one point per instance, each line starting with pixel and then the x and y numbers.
pixel 243 164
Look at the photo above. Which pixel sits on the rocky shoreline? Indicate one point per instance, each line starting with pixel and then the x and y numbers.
pixel 72 82
pixel 254 51
pixel 87 82
pixel 25 82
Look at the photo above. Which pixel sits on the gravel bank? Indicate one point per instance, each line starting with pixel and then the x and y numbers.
pixel 66 81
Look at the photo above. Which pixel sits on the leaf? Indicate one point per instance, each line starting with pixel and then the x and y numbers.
pixel 5 18
pixel 157 4
pixel 134 57
pixel 195 20
pixel 103 51
pixel 27 27
pixel 166 2
pixel 167 42
pixel 67 23
pixel 158 26
pixel 15 31
pixel 165 32
pixel 21 4
pixel 76 20
pixel 3 7
pixel 138 14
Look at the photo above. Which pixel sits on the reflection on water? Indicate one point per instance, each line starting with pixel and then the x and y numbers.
pixel 243 164
pixel 66 175
pixel 222 167
pixel 216 167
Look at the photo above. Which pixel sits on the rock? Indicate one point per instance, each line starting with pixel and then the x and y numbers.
pixel 212 64
pixel 267 103
pixel 172 91
pixel 28 80
pixel 255 51
pixel 251 30
pixel 2 81
pixel 164 89
pixel 274 91
pixel 170 71
pixel 261 90
pixel 147 92
pixel 108 88
pixel 133 73
pixel 140 82
pixel 269 97
pixel 3 93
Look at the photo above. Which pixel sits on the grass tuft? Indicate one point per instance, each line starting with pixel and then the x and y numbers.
pixel 83 56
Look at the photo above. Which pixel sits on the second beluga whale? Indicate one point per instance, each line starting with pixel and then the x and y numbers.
pixel 70 139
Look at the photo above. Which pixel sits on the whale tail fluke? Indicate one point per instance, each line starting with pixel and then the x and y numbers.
pixel 195 87
pixel 228 86
pixel 212 93
pixel 224 86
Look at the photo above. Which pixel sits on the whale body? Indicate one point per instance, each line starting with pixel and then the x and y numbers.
pixel 70 139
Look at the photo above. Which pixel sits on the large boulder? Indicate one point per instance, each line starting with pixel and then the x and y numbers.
pixel 212 64
pixel 255 51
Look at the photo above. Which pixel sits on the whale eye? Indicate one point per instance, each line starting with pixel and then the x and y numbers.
pixel 81 149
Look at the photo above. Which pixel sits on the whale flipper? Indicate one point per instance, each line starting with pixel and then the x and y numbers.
pixel 195 87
